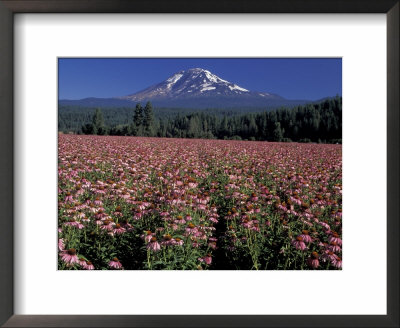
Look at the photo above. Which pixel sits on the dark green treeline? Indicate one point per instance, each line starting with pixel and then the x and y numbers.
pixel 321 122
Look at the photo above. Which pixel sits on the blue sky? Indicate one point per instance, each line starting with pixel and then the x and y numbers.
pixel 291 78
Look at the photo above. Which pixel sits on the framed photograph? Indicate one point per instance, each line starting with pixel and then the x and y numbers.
pixel 191 164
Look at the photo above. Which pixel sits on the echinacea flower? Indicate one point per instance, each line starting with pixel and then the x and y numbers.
pixel 334 247
pixel 178 242
pixel 206 259
pixel 81 261
pixel 334 238
pixel 69 198
pixel 299 244
pixel 153 245
pixel 69 256
pixel 74 223
pixel 147 236
pixel 88 265
pixel 337 262
pixel 118 229
pixel 313 261
pixel 167 240
pixel 305 236
pixel 115 263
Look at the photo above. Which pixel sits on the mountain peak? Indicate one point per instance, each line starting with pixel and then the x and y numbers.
pixel 190 83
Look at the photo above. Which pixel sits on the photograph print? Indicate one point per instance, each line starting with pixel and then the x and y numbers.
pixel 199 164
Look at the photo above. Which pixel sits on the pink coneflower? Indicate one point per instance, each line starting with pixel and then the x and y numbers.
pixel 191 229
pixel 74 223
pixel 100 214
pixel 334 238
pixel 206 259
pixel 334 247
pixel 118 229
pixel 81 261
pixel 115 263
pixel 153 245
pixel 299 244
pixel 337 262
pixel 167 240
pixel 212 244
pixel 86 219
pixel 107 225
pixel 174 226
pixel 137 215
pixel 61 245
pixel 79 190
pixel 178 242
pixel 254 197
pixel 325 225
pixel 188 218
pixel 80 215
pixel 328 255
pixel 213 219
pixel 88 265
pixel 180 220
pixel 147 236
pixel 98 221
pixel 69 256
pixel 305 236
pixel 118 211
pixel 313 261
pixel 68 197
pixel 255 226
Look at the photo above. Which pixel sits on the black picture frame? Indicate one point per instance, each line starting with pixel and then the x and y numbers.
pixel 10 7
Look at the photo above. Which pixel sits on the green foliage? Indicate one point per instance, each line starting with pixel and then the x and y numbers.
pixel 148 120
pixel 321 122
pixel 98 122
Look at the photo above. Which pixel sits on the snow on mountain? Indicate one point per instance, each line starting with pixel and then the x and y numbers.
pixel 192 88
pixel 193 83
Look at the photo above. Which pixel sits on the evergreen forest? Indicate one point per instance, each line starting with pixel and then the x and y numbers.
pixel 316 122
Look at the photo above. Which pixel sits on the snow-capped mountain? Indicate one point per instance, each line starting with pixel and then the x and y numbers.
pixel 192 88
pixel 194 82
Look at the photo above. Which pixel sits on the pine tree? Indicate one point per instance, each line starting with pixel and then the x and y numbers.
pixel 137 120
pixel 278 133
pixel 98 122
pixel 148 119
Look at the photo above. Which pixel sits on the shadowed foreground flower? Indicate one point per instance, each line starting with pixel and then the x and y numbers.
pixel 153 245
pixel 88 265
pixel 334 238
pixel 69 256
pixel 118 229
pixel 206 259
pixel 337 262
pixel 81 261
pixel 299 244
pixel 313 261
pixel 305 236
pixel 115 263
pixel 69 198
pixel 177 242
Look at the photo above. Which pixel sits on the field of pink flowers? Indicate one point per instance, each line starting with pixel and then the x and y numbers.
pixel 183 204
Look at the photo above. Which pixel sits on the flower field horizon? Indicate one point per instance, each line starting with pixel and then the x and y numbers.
pixel 137 203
